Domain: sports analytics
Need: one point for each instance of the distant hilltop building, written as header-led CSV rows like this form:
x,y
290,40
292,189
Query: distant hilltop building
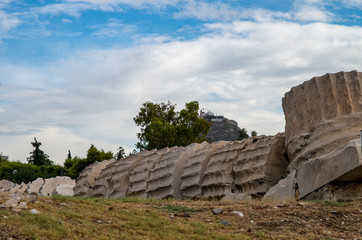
x,y
222,129
4,157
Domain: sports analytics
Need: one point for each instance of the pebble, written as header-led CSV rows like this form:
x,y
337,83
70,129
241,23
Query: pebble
x,y
186,215
225,222
217,211
172,215
34,211
240,214
22,205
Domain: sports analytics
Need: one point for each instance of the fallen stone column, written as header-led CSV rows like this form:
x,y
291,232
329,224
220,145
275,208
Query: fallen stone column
x,y
260,165
192,176
85,182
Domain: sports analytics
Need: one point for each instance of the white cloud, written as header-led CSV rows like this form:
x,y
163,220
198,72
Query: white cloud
x,y
76,7
65,20
352,3
114,28
7,22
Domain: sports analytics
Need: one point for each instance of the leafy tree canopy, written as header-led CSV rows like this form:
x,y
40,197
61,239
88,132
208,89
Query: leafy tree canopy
x,y
162,126
244,134
73,166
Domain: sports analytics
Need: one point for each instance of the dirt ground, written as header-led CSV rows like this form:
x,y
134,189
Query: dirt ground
x,y
296,220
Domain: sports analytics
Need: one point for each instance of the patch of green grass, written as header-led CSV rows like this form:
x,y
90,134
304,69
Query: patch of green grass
x,y
135,200
260,235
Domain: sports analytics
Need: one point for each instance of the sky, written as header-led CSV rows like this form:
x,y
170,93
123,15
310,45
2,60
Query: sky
x,y
76,72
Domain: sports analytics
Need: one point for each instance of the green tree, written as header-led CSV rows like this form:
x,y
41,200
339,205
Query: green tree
x,y
73,166
69,155
254,133
37,156
120,154
243,134
161,126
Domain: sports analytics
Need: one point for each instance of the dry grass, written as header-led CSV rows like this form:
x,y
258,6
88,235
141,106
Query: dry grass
x,y
96,218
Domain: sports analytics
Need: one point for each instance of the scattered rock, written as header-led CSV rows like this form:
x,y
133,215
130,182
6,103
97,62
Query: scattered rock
x,y
217,211
240,214
31,197
186,215
225,222
34,211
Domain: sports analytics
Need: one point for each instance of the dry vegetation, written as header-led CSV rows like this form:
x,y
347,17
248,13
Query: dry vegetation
x,y
96,218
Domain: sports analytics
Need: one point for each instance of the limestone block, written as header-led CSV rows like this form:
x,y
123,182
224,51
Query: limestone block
x,y
192,176
260,165
140,174
321,99
23,187
322,114
64,189
50,184
218,176
6,185
114,179
34,186
283,191
86,179
342,164
15,189
327,136
164,179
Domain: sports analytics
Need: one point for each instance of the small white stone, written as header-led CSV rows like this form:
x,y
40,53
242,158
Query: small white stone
x,y
240,214
34,211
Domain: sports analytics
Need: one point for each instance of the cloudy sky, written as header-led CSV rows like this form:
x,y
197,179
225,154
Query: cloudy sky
x,y
76,72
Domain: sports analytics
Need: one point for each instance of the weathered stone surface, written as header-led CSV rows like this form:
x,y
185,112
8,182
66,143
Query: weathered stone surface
x,y
322,114
342,164
86,179
114,179
141,173
50,184
218,176
260,165
15,189
6,185
23,188
165,179
283,191
34,186
193,173
64,189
